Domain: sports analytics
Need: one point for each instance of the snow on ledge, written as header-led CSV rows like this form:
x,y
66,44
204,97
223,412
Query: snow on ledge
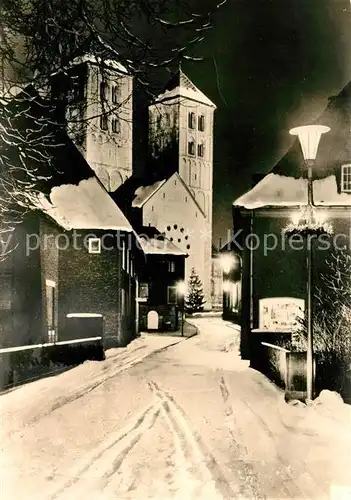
x,y
84,315
143,193
108,63
279,190
84,206
155,246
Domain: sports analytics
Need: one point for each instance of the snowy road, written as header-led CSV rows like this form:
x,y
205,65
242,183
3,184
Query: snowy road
x,y
188,422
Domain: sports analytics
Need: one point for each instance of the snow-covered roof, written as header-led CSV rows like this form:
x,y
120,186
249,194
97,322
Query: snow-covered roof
x,y
84,206
109,63
283,191
181,86
143,193
159,246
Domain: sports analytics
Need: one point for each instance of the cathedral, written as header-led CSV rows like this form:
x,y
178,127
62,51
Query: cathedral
x,y
174,194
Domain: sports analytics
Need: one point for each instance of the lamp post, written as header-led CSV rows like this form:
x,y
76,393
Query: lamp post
x,y
309,137
182,289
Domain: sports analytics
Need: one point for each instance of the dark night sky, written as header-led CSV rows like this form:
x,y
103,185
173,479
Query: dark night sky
x,y
269,65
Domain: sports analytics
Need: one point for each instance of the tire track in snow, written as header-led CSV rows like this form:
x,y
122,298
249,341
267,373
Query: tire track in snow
x,y
292,489
245,469
118,447
194,448
79,393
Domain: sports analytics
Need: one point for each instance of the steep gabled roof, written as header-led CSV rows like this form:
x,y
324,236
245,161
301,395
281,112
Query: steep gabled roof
x,y
138,190
286,184
159,246
180,86
99,61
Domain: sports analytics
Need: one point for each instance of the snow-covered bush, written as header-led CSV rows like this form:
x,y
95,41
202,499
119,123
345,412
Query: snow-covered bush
x,y
331,324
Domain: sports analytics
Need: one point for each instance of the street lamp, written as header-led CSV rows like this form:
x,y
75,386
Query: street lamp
x,y
182,290
227,262
309,137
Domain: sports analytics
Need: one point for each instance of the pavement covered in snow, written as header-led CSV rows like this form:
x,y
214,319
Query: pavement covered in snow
x,y
190,421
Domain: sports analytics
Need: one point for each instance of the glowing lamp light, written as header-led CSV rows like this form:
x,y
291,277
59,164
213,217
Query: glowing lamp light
x,y
181,288
309,137
227,263
226,286
320,216
295,218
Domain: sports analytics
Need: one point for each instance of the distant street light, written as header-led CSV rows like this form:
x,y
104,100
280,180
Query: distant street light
x,y
309,137
227,262
181,291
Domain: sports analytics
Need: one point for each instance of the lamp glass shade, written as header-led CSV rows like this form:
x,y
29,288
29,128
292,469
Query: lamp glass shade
x,y
309,137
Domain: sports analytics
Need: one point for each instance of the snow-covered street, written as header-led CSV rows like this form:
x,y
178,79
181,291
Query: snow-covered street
x,y
189,421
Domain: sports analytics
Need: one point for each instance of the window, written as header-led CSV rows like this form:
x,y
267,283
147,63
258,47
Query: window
x,y
201,150
191,148
186,198
103,122
171,266
346,178
103,90
144,290
116,126
94,245
191,120
115,94
201,123
171,295
163,195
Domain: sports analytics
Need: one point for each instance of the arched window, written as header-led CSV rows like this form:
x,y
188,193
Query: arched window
x,y
201,123
104,121
191,120
115,93
201,150
103,90
116,125
191,147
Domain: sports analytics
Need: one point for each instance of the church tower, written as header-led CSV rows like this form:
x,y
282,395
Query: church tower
x,y
99,117
181,138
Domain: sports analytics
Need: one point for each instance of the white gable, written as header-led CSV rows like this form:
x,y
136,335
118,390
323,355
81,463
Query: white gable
x,y
186,90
